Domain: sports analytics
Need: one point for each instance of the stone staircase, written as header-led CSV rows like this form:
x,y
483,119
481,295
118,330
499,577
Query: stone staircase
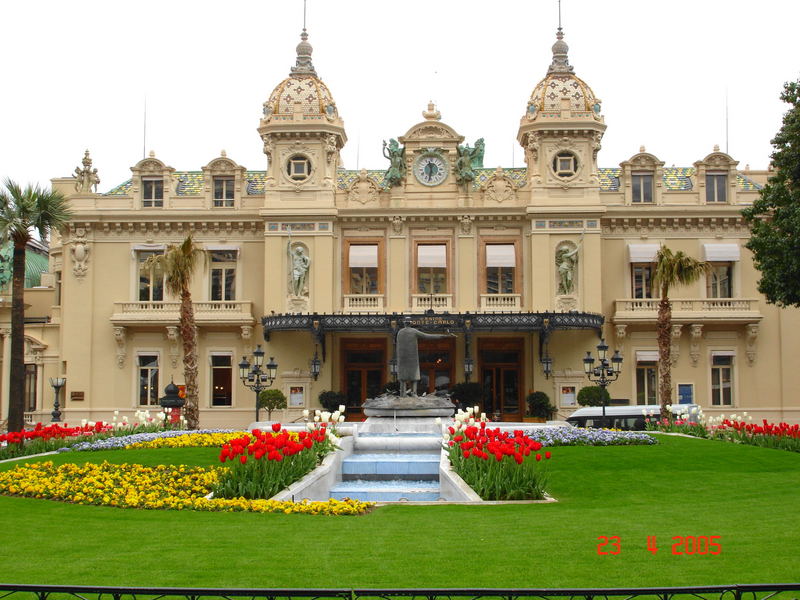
x,y
391,467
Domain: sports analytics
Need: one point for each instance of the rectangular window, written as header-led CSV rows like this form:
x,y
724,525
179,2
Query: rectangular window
x,y
148,379
221,380
719,281
646,382
363,268
59,290
642,280
30,388
501,262
223,192
721,380
153,193
223,275
642,184
151,278
432,269
716,187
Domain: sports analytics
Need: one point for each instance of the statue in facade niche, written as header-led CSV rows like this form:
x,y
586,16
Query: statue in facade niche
x,y
397,162
408,356
86,178
566,263
299,264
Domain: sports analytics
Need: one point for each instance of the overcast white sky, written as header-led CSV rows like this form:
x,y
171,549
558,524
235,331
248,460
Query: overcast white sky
x,y
76,75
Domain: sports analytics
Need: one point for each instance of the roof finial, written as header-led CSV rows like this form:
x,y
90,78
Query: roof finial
x,y
303,64
560,62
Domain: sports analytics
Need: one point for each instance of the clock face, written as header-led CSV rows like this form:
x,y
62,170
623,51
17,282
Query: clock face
x,y
430,169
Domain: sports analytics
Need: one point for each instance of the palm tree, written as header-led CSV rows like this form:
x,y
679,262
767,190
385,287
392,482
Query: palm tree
x,y
22,211
671,269
178,263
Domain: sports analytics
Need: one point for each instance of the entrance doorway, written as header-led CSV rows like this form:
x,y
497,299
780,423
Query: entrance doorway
x,y
501,376
436,358
364,372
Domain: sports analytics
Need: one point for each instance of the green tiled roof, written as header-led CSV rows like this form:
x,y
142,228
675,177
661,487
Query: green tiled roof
x,y
190,183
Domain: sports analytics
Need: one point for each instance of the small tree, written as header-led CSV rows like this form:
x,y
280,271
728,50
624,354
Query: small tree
x,y
593,395
774,218
178,263
672,268
271,400
22,211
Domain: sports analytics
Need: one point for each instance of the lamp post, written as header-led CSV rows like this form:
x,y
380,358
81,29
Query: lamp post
x,y
547,365
605,372
254,377
314,365
469,367
57,383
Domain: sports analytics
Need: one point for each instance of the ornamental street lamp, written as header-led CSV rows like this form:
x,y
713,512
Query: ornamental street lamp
x,y
57,383
605,372
547,365
314,365
254,377
469,367
393,368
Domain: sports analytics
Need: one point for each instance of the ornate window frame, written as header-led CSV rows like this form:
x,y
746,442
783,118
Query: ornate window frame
x,y
223,167
716,164
642,163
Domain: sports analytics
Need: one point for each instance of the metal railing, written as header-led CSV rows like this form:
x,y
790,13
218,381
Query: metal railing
x,y
712,592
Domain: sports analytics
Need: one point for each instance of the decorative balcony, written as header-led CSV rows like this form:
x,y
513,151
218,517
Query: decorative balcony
x,y
501,302
167,313
354,303
690,310
437,302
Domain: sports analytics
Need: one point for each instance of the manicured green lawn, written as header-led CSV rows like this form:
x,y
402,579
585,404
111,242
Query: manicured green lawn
x,y
745,494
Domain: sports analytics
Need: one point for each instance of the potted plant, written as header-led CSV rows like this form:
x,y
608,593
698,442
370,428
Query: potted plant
x,y
271,400
331,401
538,408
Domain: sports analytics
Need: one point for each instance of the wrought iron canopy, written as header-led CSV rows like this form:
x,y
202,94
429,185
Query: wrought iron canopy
x,y
319,324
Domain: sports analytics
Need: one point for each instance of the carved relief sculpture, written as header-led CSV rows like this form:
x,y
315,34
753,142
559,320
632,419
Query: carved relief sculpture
x,y
364,189
674,352
397,224
466,223
499,188
119,337
174,350
696,333
752,336
79,251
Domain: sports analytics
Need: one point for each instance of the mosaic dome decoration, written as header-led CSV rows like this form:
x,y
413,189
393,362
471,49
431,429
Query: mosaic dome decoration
x,y
561,83
302,86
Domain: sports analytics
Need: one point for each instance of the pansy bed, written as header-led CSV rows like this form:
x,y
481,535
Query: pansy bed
x,y
177,487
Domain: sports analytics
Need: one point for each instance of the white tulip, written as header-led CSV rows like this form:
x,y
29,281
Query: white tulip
x,y
483,416
316,418
83,422
310,426
476,409
341,418
341,408
469,410
116,413
325,416
318,412
305,413
438,420
335,415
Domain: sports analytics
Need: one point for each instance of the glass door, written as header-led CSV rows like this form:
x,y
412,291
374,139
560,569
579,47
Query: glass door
x,y
501,376
364,372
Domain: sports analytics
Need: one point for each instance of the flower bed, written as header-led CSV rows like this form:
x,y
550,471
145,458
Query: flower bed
x,y
262,464
780,436
579,436
131,440
137,486
58,437
497,465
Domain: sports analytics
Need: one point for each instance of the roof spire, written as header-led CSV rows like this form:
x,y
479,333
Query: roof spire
x,y
303,64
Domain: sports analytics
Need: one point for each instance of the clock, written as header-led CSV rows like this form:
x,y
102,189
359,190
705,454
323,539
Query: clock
x,y
430,169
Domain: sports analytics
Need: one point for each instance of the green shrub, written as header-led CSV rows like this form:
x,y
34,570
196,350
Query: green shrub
x,y
538,405
594,395
331,401
271,400
467,394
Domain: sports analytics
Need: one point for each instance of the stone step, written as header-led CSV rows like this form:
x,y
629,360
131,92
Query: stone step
x,y
403,442
386,491
391,465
